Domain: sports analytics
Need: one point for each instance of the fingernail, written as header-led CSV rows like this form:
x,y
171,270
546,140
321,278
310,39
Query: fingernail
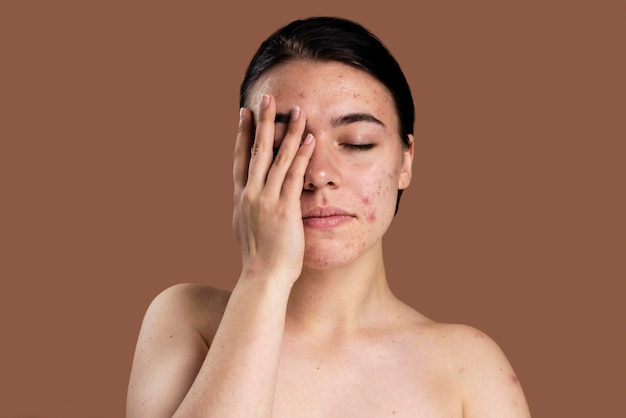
x,y
242,113
308,139
295,113
265,101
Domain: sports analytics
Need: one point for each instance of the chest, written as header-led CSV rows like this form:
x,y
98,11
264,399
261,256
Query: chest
x,y
368,382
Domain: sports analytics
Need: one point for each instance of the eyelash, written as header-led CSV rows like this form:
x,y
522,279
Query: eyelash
x,y
354,147
358,147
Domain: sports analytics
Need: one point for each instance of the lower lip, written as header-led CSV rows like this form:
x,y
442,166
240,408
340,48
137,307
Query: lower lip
x,y
326,222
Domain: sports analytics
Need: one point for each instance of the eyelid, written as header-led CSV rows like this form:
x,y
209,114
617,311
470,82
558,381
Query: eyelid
x,y
359,147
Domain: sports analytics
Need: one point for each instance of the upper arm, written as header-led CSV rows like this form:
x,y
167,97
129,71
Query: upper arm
x,y
170,351
491,388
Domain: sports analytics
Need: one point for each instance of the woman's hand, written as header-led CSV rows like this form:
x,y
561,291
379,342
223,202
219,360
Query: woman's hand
x,y
267,216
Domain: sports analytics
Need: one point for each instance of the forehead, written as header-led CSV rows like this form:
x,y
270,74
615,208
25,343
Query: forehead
x,y
322,87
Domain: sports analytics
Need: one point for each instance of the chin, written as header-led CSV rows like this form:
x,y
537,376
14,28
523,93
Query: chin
x,y
329,256
324,263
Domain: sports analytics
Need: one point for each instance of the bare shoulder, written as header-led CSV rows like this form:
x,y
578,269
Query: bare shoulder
x,y
198,306
488,384
463,341
185,311
192,295
175,336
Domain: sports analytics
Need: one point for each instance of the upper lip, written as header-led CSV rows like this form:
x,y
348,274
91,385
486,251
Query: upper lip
x,y
324,211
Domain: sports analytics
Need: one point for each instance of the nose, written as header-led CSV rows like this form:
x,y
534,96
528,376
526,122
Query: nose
x,y
322,170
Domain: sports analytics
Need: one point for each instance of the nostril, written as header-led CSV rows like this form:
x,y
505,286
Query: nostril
x,y
320,174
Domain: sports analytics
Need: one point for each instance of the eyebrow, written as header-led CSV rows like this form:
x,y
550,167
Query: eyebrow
x,y
339,121
354,118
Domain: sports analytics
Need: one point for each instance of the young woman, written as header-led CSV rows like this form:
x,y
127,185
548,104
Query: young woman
x,y
311,329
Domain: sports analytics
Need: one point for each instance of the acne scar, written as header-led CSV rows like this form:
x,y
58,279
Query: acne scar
x,y
479,334
371,217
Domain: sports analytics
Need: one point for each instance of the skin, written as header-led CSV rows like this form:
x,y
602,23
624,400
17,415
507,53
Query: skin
x,y
311,328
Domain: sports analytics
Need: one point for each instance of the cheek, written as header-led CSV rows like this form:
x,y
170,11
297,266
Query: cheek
x,y
377,195
368,194
370,212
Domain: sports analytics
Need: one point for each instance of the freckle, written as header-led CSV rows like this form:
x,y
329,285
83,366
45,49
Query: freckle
x,y
170,336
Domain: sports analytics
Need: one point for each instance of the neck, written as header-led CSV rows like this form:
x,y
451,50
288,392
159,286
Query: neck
x,y
341,299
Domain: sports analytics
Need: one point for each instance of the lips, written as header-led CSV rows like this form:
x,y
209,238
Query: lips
x,y
324,212
325,217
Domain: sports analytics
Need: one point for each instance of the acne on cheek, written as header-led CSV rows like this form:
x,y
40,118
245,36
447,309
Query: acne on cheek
x,y
371,216
381,193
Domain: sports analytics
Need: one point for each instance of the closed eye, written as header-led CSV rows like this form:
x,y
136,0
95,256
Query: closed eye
x,y
358,147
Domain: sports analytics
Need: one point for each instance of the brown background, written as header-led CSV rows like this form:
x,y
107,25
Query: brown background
x,y
117,124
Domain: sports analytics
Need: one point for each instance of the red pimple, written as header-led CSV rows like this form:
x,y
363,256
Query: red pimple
x,y
479,334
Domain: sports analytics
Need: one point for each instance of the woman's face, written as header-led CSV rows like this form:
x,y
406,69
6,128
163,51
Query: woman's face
x,y
359,161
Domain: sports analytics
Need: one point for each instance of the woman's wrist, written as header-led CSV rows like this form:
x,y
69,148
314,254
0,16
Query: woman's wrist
x,y
265,280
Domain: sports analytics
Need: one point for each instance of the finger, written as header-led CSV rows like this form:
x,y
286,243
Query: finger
x,y
262,152
294,179
241,153
287,151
